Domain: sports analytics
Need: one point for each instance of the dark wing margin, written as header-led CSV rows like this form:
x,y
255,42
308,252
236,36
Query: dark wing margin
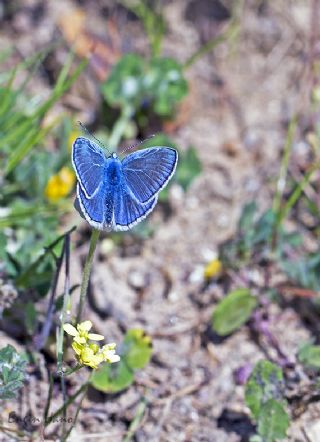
x,y
148,171
88,161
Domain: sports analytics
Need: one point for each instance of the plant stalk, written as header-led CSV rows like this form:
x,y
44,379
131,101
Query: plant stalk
x,y
87,270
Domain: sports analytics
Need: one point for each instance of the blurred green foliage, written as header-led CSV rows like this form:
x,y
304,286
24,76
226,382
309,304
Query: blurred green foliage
x,y
304,270
138,83
152,19
256,239
28,220
309,355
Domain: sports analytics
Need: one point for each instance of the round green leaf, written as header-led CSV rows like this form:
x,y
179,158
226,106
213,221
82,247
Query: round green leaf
x,y
112,378
137,349
233,311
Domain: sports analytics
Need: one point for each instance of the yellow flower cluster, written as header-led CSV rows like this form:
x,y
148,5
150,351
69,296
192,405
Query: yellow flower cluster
x,y
89,353
60,185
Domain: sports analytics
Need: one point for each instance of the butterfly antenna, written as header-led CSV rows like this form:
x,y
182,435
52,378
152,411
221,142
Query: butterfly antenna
x,y
83,127
137,144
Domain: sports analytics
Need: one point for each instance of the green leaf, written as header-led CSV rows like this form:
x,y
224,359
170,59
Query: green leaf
x,y
273,421
233,311
309,355
137,349
189,167
265,382
12,371
112,378
135,353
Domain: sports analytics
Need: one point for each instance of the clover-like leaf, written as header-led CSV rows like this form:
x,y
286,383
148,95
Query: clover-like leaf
x,y
12,371
273,421
158,83
265,383
233,311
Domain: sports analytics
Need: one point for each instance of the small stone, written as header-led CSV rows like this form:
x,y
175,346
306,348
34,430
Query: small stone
x,y
137,280
312,431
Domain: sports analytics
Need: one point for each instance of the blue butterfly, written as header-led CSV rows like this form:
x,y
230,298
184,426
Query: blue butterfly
x,y
116,194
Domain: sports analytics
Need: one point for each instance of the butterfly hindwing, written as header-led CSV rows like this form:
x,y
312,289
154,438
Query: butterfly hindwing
x,y
92,208
88,161
128,211
147,171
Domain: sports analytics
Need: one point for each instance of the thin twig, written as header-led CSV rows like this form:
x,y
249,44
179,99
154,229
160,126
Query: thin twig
x,y
41,338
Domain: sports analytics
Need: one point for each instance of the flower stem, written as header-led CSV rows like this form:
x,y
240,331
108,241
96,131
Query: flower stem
x,y
86,272
70,401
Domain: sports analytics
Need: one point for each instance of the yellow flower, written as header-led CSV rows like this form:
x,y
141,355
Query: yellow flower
x,y
60,185
109,353
213,268
81,334
90,354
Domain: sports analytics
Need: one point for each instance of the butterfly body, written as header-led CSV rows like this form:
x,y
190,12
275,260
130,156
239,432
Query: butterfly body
x,y
116,194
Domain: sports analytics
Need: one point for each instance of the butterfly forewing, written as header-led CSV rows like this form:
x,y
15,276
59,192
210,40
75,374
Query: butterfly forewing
x,y
116,195
88,160
148,171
